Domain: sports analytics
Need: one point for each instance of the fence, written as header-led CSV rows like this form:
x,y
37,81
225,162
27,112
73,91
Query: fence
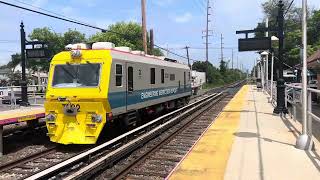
x,y
11,95
293,97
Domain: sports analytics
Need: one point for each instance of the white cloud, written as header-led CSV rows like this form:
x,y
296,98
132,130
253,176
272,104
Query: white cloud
x,y
67,10
186,17
163,2
39,3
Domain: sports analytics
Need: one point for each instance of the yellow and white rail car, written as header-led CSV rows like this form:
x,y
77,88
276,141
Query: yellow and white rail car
x,y
88,87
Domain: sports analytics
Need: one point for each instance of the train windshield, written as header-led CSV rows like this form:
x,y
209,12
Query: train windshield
x,y
79,75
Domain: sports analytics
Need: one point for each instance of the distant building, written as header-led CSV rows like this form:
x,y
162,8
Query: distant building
x,y
198,79
314,66
37,78
4,74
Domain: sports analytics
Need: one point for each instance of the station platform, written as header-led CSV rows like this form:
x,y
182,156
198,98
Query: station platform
x,y
21,114
247,141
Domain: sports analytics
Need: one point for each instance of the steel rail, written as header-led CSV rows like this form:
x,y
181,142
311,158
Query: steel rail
x,y
121,174
132,145
90,153
13,164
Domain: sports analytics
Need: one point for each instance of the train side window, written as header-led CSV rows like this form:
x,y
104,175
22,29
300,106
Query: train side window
x,y
118,75
172,77
189,74
152,75
130,78
162,76
184,80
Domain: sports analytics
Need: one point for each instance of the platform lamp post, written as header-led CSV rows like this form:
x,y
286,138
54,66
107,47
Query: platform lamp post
x,y
264,57
23,83
304,142
280,108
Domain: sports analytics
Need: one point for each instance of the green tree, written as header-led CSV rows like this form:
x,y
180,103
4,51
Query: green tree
x,y
73,36
223,67
124,34
213,76
15,60
56,43
54,40
292,29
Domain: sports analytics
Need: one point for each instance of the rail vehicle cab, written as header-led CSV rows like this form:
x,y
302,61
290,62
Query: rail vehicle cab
x,y
88,87
76,104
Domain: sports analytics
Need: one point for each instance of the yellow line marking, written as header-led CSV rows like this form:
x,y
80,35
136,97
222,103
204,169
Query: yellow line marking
x,y
208,158
21,113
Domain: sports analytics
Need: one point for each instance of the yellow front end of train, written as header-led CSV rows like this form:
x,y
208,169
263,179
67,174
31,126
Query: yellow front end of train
x,y
76,100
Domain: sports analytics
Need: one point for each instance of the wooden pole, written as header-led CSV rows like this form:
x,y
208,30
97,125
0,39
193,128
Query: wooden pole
x,y
144,26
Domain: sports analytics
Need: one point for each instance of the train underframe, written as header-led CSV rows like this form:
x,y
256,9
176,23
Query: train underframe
x,y
133,118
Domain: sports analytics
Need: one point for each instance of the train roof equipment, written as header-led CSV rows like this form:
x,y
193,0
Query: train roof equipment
x,y
111,46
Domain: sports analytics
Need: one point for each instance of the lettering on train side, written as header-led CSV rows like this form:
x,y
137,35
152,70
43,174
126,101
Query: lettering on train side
x,y
157,93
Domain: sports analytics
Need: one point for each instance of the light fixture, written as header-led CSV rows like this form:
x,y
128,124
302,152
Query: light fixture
x,y
274,38
50,117
264,53
96,118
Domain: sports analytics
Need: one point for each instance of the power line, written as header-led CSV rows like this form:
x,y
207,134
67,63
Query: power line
x,y
8,41
82,24
288,8
200,5
203,48
48,11
52,16
4,50
172,52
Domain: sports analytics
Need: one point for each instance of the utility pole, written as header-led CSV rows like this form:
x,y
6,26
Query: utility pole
x,y
237,62
23,83
232,59
281,108
305,142
267,58
207,39
187,48
221,48
151,41
144,26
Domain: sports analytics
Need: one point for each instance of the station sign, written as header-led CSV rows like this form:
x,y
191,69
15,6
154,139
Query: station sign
x,y
36,53
254,44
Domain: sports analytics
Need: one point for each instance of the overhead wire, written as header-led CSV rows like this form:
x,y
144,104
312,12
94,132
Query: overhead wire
x,y
57,16
289,7
200,5
9,41
47,11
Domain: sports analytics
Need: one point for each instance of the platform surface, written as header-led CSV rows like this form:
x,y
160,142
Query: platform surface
x,y
21,114
248,142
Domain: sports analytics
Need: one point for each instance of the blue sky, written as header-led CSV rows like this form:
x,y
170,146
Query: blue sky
x,y
176,23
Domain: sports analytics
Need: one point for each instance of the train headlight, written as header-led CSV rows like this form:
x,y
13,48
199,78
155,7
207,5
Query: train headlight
x,y
51,117
76,53
96,118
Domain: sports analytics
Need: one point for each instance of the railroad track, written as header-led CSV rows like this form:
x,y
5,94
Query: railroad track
x,y
69,162
93,161
27,166
159,158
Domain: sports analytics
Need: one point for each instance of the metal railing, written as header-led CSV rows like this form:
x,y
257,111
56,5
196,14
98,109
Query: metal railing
x,y
293,97
10,95
272,92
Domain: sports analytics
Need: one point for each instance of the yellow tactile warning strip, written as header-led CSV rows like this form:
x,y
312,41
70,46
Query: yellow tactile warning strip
x,y
21,114
209,156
